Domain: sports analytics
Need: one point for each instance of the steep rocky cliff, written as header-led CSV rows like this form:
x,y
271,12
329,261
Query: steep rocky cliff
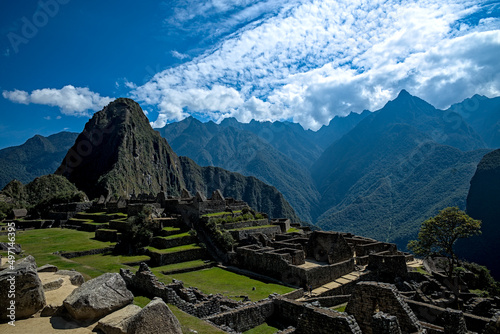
x,y
119,153
483,202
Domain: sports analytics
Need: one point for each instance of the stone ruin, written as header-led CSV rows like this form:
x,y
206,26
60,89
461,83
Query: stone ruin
x,y
316,258
372,277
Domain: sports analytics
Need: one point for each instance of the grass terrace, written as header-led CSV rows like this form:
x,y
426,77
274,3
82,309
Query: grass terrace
x,y
180,265
262,329
43,243
216,214
251,228
173,249
217,280
174,236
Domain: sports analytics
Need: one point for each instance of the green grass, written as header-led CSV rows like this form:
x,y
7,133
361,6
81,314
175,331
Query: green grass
x,y
262,329
42,243
176,266
141,301
174,236
217,280
251,228
173,249
107,263
340,308
80,220
480,293
293,229
216,214
422,271
93,213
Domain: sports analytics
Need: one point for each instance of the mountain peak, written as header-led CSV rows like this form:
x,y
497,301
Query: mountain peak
x,y
404,94
119,153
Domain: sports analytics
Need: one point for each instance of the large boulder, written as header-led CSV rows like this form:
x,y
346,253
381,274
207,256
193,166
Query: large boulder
x,y
154,318
118,322
98,297
24,286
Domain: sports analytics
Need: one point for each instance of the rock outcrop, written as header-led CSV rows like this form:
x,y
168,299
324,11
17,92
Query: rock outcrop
x,y
98,297
118,322
154,318
483,203
25,285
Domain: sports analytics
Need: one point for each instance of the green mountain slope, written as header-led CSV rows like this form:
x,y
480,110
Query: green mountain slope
x,y
288,138
253,191
209,144
391,172
36,157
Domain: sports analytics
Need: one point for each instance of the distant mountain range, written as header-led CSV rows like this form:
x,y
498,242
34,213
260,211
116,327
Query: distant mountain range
x,y
378,174
36,157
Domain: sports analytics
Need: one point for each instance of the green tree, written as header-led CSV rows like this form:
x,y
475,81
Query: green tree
x,y
139,233
438,235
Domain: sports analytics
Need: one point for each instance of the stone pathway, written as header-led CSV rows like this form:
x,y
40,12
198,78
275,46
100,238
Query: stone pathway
x,y
415,263
348,278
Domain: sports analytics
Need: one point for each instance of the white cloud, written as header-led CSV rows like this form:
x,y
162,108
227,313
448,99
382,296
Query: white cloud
x,y
75,101
312,60
178,55
16,96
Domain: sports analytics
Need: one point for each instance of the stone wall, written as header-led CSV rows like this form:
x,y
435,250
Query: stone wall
x,y
161,259
388,266
162,243
434,314
243,224
107,235
329,247
310,319
283,264
270,231
190,300
325,321
371,297
246,317
70,255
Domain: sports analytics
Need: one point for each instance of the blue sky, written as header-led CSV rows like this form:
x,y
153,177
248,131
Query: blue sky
x,y
305,61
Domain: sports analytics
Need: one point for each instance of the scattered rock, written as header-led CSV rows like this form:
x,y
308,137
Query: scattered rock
x,y
53,285
6,247
98,297
52,310
47,268
74,276
118,322
154,318
23,280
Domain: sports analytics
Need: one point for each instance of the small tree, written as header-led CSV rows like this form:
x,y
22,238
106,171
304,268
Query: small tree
x,y
438,235
139,233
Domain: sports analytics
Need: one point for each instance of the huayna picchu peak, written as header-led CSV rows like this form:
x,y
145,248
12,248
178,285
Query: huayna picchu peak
x,y
119,154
